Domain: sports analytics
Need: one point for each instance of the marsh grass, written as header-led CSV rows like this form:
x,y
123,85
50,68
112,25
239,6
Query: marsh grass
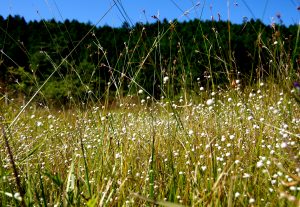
x,y
243,148
236,145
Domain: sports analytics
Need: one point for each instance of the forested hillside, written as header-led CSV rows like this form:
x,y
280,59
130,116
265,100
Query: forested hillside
x,y
92,60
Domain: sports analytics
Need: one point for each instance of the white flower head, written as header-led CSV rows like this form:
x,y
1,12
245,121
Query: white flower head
x,y
259,164
166,78
246,175
118,155
210,102
39,123
283,145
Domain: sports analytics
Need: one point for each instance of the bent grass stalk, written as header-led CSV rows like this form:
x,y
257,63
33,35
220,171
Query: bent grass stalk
x,y
14,166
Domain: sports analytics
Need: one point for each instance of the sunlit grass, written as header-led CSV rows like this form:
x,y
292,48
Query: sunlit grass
x,y
239,149
194,144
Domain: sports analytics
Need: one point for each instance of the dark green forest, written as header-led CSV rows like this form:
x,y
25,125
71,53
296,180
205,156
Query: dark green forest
x,y
87,61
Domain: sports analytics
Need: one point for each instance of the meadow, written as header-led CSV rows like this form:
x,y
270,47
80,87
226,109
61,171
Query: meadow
x,y
233,144
235,149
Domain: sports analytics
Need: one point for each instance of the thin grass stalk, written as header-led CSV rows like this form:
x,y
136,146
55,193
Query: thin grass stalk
x,y
296,44
152,164
42,187
85,168
13,164
230,59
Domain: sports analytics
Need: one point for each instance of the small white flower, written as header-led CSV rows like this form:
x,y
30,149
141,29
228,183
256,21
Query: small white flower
x,y
140,91
166,78
251,95
209,102
275,43
237,194
38,124
201,88
191,132
223,138
18,196
255,126
118,155
246,175
259,164
283,145
250,118
203,168
251,200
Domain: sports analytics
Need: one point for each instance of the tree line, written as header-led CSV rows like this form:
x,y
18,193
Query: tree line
x,y
89,61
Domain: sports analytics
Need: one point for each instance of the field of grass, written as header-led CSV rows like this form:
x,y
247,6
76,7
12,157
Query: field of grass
x,y
232,148
225,146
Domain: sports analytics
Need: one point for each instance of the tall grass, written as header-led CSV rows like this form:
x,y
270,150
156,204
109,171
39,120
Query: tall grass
x,y
234,146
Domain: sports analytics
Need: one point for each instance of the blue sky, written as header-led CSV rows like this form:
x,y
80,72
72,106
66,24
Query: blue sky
x,y
114,12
